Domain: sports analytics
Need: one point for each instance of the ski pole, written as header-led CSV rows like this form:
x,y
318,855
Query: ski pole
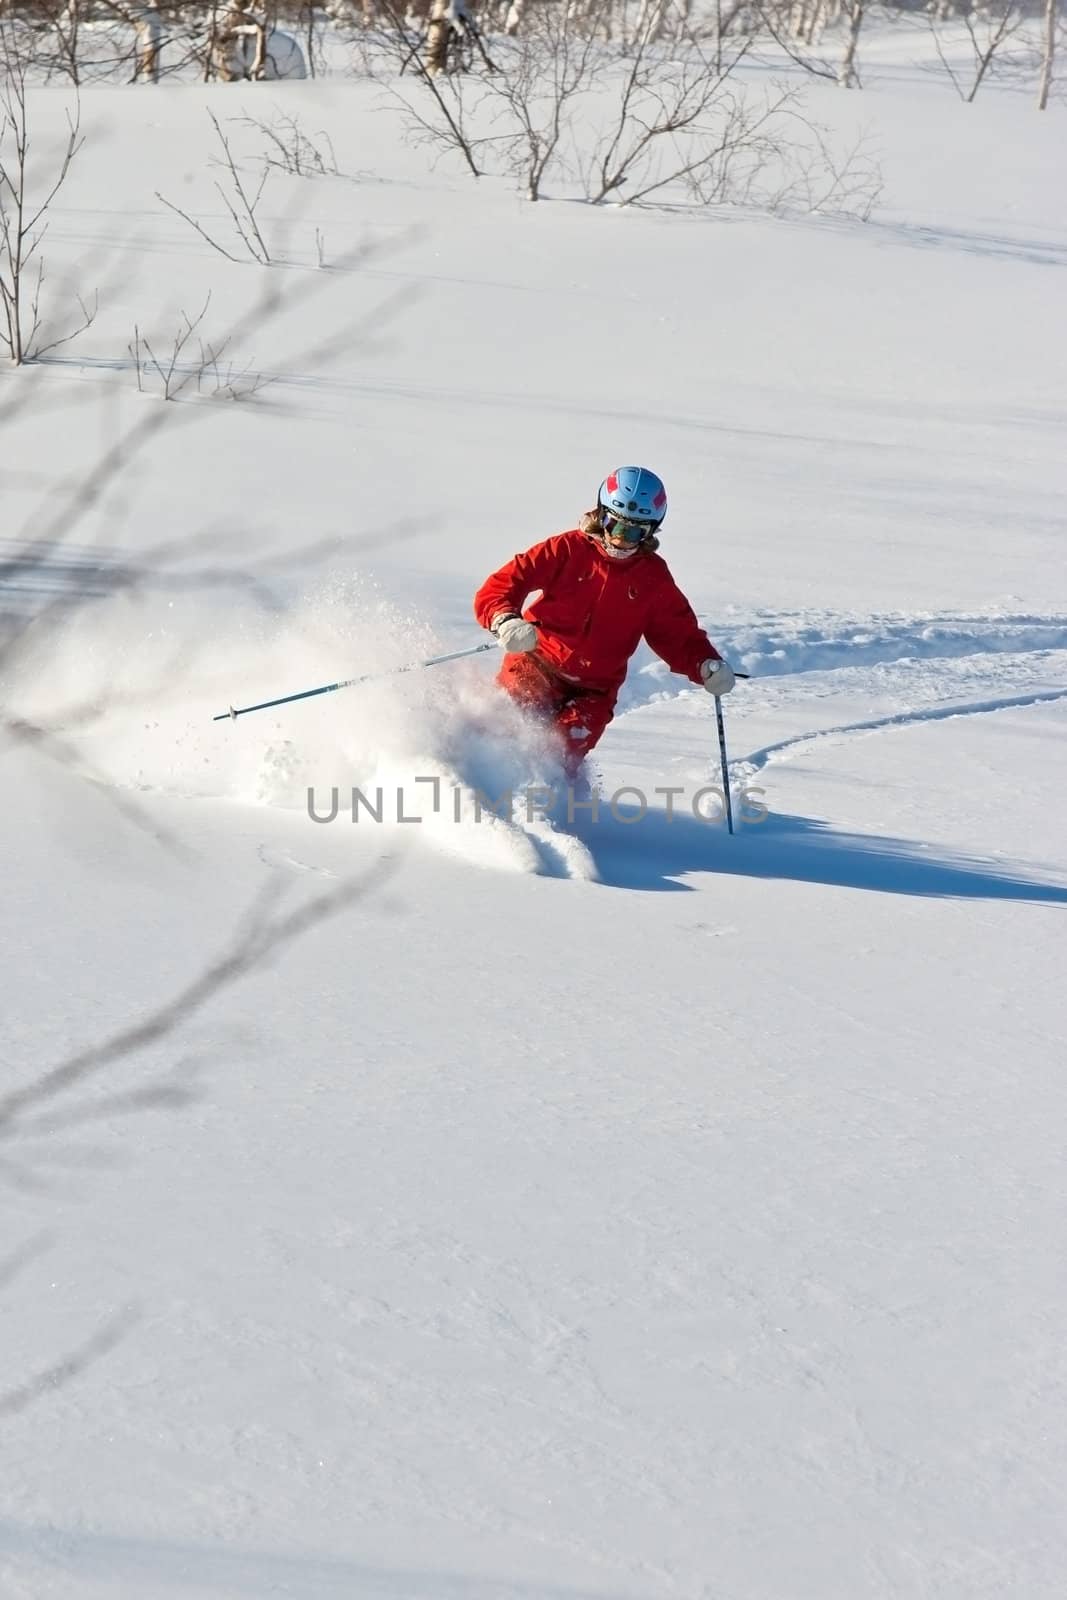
x,y
722,757
347,683
725,769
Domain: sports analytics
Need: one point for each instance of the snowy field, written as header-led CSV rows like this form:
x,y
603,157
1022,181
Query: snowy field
x,y
622,1211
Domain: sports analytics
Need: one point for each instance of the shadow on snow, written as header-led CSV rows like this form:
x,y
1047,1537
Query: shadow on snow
x,y
165,1566
654,851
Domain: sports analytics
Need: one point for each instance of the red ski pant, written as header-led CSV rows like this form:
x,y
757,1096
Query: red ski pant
x,y
578,715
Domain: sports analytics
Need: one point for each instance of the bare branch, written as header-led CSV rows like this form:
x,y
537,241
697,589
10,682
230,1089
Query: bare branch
x,y
213,242
72,1366
259,939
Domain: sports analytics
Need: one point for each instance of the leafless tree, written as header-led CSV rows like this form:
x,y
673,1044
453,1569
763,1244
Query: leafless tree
x,y
87,39
1048,52
244,44
848,75
148,31
543,70
987,30
795,29
438,37
309,24
66,24
651,117
23,220
662,125
438,117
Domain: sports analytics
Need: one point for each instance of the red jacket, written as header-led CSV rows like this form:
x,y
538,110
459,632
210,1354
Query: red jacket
x,y
592,611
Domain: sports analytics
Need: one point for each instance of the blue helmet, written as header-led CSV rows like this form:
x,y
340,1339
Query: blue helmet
x,y
634,494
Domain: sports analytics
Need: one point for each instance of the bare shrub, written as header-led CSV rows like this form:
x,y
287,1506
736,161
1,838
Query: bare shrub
x,y
291,150
23,222
650,117
750,148
661,100
544,69
240,200
193,364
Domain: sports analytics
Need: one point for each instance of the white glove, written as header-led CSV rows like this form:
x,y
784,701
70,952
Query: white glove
x,y
514,634
718,677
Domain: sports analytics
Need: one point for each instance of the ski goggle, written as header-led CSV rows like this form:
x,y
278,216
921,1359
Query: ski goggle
x,y
629,530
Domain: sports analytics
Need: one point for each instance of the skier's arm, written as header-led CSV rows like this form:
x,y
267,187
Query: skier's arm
x,y
504,591
677,637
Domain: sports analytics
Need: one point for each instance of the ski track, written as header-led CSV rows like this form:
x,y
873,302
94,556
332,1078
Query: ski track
x,y
755,762
949,661
775,645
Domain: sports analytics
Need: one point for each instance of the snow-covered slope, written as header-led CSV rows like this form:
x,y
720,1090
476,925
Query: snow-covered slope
x,y
619,1210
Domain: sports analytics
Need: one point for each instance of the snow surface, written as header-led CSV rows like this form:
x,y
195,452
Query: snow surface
x,y
624,1210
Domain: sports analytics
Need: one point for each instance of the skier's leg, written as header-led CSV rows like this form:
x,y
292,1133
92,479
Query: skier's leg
x,y
579,719
581,723
529,685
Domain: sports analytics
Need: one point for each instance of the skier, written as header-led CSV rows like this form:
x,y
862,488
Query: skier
x,y
601,588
